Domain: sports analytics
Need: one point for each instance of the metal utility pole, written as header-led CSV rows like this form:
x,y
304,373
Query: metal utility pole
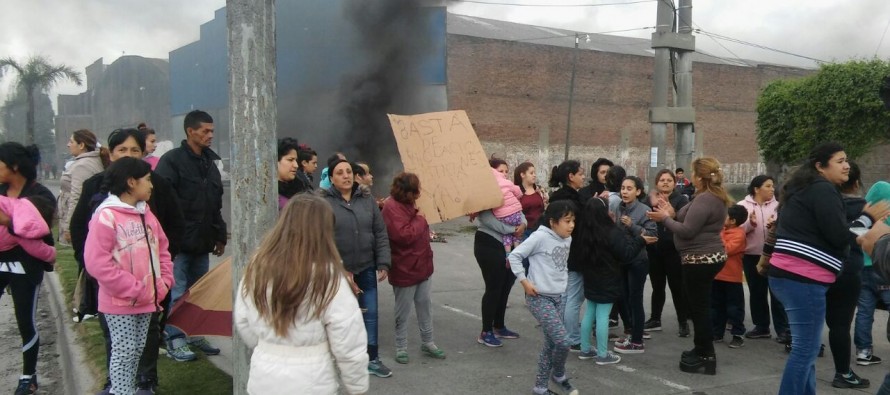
x,y
252,100
571,93
664,41
685,131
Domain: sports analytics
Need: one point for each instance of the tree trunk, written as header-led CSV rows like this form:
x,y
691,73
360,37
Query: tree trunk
x,y
29,119
252,99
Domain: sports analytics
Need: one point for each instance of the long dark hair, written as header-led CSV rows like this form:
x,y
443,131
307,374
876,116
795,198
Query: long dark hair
x,y
517,174
594,171
595,227
614,178
558,210
119,172
20,159
806,174
559,177
639,184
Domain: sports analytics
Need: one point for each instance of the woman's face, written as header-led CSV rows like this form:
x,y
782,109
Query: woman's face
x,y
665,184
576,180
629,191
151,143
310,165
287,166
766,191
503,169
564,226
74,148
601,173
529,177
837,170
342,177
129,148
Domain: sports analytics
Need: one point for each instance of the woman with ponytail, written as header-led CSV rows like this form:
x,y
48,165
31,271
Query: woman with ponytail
x,y
88,161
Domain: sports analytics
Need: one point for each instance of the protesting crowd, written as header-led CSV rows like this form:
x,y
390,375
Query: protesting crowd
x,y
142,229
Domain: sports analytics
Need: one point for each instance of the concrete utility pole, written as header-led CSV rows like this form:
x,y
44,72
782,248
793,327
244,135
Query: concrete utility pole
x,y
685,131
571,94
252,99
665,40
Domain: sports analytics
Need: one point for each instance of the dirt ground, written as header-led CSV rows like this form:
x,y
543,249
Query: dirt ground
x,y
49,372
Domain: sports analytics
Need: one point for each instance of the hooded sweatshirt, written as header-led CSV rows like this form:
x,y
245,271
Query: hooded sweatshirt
x,y
878,192
756,233
26,230
511,193
134,276
548,255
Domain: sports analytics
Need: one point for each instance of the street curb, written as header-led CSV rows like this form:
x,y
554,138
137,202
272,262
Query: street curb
x,y
76,377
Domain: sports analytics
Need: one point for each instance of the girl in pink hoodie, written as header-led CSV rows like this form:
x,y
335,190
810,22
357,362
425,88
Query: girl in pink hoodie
x,y
510,212
127,252
29,227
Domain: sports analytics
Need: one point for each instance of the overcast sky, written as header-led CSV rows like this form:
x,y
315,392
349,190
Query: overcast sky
x,y
79,32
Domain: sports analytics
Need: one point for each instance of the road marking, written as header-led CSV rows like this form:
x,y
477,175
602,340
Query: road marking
x,y
461,312
666,382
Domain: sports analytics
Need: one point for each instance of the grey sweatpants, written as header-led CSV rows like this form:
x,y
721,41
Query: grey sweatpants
x,y
419,295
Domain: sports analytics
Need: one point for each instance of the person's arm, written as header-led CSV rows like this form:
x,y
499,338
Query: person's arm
x,y
38,249
169,214
830,215
382,253
99,259
167,169
164,256
348,339
245,316
79,174
487,219
734,242
522,252
625,247
403,226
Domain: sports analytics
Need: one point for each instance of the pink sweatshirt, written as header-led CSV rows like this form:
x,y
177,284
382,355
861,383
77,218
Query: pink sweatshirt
x,y
755,233
117,255
28,228
511,192
152,160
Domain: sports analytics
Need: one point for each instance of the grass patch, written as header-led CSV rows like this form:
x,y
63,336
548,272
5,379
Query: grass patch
x,y
197,377
468,229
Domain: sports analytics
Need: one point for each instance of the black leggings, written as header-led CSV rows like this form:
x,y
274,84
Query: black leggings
x,y
665,269
25,289
499,279
697,281
840,305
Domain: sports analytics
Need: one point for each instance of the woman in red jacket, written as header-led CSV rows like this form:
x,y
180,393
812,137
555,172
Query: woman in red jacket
x,y
412,264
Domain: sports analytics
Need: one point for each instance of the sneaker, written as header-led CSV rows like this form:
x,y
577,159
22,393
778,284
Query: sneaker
x,y
630,348
378,369
489,339
652,325
543,391
613,323
432,351
585,355
27,386
621,340
784,338
575,347
684,330
758,333
737,342
504,333
865,358
204,345
402,356
718,339
565,386
179,351
849,380
647,335
609,359
614,337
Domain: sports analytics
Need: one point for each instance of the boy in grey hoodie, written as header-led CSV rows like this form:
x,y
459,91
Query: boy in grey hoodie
x,y
547,250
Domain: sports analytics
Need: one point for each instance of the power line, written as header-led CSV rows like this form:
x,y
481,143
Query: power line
x,y
882,38
750,44
580,33
551,5
739,58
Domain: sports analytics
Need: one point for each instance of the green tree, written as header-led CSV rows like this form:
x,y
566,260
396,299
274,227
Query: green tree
x,y
37,75
13,115
839,103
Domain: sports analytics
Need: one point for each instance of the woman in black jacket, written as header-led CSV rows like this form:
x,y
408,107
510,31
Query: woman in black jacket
x,y
664,260
604,248
569,177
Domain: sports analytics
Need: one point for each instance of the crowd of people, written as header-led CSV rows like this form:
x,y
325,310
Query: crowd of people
x,y
142,228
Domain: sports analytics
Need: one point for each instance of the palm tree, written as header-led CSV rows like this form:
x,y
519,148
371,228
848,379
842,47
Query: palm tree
x,y
37,73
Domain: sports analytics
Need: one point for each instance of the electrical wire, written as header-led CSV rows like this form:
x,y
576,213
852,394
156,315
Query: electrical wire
x,y
882,38
737,57
550,5
750,44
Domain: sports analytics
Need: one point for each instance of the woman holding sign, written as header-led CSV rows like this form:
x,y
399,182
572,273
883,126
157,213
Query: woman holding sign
x,y
488,248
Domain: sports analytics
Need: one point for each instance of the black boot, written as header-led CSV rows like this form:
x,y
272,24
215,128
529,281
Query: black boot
x,y
707,364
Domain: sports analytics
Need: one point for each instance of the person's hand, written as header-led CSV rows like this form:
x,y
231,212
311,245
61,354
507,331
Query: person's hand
x,y
664,205
529,288
604,195
771,221
4,219
660,213
752,219
878,211
66,236
420,214
220,248
763,265
626,220
520,230
352,285
381,275
868,240
649,239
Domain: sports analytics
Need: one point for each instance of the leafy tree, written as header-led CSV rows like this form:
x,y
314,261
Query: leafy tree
x,y
14,115
839,103
35,76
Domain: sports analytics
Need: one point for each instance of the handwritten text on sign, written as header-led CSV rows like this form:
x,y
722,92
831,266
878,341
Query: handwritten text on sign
x,y
444,152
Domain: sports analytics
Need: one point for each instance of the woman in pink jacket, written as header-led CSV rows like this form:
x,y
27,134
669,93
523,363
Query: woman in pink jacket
x,y
761,205
127,253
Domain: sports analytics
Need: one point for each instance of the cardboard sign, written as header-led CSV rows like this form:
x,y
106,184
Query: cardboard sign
x,y
444,152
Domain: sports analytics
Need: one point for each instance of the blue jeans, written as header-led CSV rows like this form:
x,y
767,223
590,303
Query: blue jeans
x,y
573,297
367,301
187,269
868,299
805,306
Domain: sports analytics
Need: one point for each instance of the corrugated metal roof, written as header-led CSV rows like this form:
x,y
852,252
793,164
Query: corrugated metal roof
x,y
510,31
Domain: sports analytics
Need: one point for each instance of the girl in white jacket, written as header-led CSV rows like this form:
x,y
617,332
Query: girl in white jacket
x,y
297,310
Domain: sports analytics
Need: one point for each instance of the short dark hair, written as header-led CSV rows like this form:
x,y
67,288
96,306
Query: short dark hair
x,y
557,210
614,178
357,169
118,136
737,213
595,167
286,145
333,158
123,169
758,182
304,155
333,165
496,162
21,159
679,170
194,119
405,188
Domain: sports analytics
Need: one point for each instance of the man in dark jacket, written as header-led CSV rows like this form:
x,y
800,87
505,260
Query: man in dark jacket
x,y
876,243
196,180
